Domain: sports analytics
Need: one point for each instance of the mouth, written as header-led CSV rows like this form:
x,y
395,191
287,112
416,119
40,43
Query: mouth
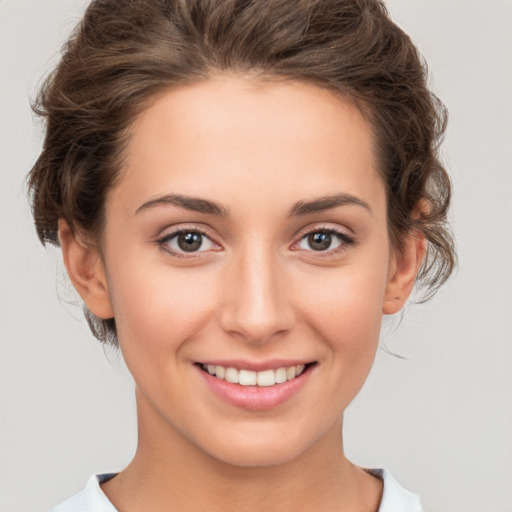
x,y
265,378
256,387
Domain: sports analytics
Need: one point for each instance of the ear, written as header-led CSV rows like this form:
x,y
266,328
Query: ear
x,y
86,270
402,273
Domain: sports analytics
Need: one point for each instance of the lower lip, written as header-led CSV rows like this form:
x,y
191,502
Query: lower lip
x,y
256,398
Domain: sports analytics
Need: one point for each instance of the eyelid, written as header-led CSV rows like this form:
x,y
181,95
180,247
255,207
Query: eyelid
x,y
346,239
162,241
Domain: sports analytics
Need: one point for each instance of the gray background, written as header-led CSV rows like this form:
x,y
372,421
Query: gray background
x,y
440,421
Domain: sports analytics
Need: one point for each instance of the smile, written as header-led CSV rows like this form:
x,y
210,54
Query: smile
x,y
256,386
264,378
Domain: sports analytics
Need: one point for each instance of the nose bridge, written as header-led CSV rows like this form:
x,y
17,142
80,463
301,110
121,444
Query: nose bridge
x,y
257,304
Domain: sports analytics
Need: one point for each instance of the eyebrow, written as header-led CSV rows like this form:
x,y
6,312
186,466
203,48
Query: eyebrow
x,y
300,208
322,204
194,204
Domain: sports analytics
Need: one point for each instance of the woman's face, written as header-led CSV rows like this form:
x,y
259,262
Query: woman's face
x,y
247,236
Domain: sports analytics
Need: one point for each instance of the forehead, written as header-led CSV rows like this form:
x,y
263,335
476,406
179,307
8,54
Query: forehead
x,y
234,135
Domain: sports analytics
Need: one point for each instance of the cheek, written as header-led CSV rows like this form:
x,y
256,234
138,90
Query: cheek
x,y
345,311
159,308
345,301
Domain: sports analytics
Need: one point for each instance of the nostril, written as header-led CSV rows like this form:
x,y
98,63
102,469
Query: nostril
x,y
257,307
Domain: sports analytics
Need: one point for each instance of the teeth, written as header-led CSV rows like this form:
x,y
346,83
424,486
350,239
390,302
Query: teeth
x,y
281,375
231,375
266,378
291,372
249,378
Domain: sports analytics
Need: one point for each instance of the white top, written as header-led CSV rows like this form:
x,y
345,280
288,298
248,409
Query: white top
x,y
92,499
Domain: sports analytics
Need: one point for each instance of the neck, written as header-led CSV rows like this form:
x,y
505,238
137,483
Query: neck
x,y
169,473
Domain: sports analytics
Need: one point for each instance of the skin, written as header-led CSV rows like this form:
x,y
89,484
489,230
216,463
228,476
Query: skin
x,y
256,290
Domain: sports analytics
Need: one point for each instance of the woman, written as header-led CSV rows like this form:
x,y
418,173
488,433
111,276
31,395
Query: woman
x,y
241,190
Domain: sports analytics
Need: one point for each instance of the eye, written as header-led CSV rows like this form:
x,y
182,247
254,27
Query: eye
x,y
324,240
187,241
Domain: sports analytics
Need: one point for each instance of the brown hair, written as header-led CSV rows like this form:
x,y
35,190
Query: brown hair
x,y
124,52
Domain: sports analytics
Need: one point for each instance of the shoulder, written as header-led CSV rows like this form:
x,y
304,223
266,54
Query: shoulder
x,y
394,497
90,499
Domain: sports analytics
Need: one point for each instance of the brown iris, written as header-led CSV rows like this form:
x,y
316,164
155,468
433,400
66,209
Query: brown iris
x,y
190,241
320,241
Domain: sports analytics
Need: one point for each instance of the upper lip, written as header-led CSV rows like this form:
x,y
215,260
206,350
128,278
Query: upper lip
x,y
256,366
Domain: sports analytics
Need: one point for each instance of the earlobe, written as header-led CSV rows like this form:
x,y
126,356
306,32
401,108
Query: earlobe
x,y
86,271
403,271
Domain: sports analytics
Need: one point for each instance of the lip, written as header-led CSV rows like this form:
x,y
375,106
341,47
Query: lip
x,y
256,366
255,398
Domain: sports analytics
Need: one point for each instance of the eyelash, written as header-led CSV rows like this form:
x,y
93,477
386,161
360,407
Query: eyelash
x,y
345,241
163,242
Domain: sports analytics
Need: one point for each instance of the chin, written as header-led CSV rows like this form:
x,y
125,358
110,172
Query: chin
x,y
263,449
256,457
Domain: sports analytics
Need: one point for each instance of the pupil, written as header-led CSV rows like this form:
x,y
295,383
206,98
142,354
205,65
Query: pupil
x,y
319,241
190,242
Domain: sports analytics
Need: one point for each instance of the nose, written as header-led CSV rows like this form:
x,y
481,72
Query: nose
x,y
257,305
